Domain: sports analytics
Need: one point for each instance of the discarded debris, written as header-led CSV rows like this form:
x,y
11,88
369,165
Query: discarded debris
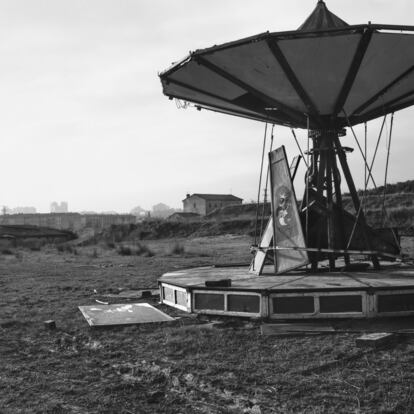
x,y
50,324
101,302
218,283
295,328
199,327
134,294
375,340
123,314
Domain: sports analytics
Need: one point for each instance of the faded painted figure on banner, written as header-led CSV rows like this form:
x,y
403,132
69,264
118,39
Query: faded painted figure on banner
x,y
286,224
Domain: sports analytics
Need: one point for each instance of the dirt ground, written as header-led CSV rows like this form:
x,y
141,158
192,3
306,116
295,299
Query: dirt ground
x,y
174,367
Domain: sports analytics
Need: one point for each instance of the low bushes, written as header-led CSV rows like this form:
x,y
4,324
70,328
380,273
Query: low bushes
x,y
137,249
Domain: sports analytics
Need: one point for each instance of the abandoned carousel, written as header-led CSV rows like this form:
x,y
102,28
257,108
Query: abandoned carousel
x,y
313,260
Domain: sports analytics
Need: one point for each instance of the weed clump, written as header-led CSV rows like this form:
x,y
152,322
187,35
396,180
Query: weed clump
x,y
124,250
66,248
36,248
110,245
7,252
138,249
177,249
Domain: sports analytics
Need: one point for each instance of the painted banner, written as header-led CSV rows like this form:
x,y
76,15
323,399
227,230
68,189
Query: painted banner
x,y
287,228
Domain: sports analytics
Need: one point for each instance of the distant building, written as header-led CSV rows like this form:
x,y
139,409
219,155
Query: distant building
x,y
100,221
60,221
59,208
204,204
161,210
23,210
68,221
139,212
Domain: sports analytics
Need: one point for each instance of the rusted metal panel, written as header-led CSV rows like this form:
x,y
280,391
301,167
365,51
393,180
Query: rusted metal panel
x,y
123,314
287,228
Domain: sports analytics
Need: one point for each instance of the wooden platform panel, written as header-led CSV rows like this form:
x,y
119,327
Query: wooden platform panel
x,y
391,277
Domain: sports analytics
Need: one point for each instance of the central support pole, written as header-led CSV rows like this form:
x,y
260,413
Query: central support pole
x,y
329,155
324,179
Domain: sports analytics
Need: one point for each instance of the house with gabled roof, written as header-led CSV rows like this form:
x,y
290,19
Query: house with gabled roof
x,y
204,204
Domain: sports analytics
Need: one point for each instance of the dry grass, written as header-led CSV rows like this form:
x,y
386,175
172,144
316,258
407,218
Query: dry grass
x,y
166,368
176,248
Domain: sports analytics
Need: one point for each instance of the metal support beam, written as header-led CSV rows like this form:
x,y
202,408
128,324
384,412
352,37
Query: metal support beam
x,y
384,90
353,70
290,74
338,203
354,196
296,116
328,154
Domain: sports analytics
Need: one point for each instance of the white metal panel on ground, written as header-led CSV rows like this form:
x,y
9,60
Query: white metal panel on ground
x,y
123,314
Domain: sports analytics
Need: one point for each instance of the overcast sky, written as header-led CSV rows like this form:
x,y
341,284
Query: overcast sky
x,y
83,117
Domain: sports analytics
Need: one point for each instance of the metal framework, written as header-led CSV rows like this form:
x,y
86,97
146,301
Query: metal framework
x,y
261,106
323,77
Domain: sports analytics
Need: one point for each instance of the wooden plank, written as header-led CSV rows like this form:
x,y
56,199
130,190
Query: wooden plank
x,y
294,165
278,328
259,259
287,228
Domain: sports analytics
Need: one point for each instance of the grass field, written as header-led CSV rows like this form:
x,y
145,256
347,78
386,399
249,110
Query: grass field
x,y
174,367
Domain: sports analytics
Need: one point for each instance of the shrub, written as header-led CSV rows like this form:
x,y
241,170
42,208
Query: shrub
x,y
144,250
138,249
177,249
66,248
110,245
7,251
124,250
35,248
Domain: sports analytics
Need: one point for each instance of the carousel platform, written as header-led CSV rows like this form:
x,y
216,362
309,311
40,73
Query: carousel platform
x,y
234,291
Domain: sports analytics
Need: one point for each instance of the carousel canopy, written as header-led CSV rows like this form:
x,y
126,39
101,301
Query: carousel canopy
x,y
327,72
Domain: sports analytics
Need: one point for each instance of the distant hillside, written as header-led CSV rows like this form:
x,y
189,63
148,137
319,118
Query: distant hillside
x,y
399,203
21,231
241,219
401,187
